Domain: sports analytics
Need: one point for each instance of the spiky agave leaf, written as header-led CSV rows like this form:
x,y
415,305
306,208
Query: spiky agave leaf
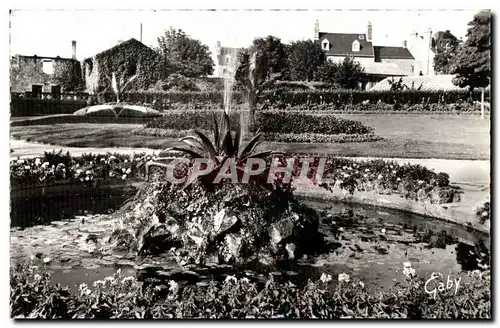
x,y
184,150
237,139
250,146
228,145
216,133
207,144
192,142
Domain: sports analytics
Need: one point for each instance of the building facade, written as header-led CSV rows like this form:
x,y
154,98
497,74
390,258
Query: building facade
x,y
37,74
378,61
226,61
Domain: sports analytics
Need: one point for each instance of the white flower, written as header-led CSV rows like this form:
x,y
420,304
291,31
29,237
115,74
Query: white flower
x,y
367,170
124,177
129,278
112,157
128,171
346,175
27,167
20,161
365,175
407,264
325,278
87,172
409,272
380,176
362,284
398,179
245,280
38,161
111,174
344,277
125,161
230,278
110,278
86,178
174,286
341,229
349,168
420,181
87,292
383,231
46,260
78,171
123,169
344,167
82,287
45,164
37,277
99,283
394,172
102,159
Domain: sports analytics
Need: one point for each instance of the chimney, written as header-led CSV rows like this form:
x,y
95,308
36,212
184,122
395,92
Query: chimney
x,y
73,48
316,30
405,44
369,32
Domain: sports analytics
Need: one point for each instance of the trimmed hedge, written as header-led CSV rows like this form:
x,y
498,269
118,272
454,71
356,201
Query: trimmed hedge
x,y
296,122
277,137
34,106
267,122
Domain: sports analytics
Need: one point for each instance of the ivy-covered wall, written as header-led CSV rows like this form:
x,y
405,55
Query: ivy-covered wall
x,y
130,57
26,71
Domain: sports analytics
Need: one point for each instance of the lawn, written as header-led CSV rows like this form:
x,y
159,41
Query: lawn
x,y
405,136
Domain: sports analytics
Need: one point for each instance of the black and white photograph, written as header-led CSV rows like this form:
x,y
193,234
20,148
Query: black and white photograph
x,y
216,164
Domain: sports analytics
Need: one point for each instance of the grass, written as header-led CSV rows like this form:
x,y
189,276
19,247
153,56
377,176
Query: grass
x,y
405,136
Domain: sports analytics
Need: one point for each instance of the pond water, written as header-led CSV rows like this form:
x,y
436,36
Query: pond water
x,y
368,243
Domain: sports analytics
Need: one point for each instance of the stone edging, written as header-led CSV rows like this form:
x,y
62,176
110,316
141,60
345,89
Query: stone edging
x,y
446,212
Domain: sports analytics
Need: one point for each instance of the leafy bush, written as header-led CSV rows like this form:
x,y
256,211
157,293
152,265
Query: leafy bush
x,y
295,122
267,121
484,212
33,296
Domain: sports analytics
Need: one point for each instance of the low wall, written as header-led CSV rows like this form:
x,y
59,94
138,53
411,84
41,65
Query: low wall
x,y
451,212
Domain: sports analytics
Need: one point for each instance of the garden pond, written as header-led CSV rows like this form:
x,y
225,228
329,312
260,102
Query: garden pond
x,y
67,237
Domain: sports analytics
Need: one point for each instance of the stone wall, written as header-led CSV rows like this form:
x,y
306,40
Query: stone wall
x,y
26,71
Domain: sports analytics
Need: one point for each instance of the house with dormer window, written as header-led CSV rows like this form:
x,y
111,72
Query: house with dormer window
x,y
378,61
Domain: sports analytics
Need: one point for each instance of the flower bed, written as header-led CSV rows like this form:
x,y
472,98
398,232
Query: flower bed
x,y
278,137
413,182
33,296
266,121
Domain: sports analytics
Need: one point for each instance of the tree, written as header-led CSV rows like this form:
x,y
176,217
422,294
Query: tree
x,y
347,73
184,54
472,65
304,59
446,53
260,67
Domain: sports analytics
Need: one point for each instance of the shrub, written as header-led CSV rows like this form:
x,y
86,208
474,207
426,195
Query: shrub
x,y
267,121
295,122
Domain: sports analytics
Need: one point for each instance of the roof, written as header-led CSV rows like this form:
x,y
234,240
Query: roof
x,y
386,69
341,44
44,57
382,52
121,44
428,83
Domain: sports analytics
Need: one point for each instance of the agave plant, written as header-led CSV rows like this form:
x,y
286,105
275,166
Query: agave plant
x,y
120,86
225,145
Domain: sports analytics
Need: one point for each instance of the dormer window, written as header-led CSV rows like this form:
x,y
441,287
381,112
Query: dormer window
x,y
361,37
355,46
325,45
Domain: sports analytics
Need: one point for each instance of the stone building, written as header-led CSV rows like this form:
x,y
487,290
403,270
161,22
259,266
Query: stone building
x,y
37,74
379,61
126,59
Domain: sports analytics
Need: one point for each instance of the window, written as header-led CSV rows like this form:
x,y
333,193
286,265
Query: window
x,y
48,67
227,59
325,45
355,45
56,91
361,37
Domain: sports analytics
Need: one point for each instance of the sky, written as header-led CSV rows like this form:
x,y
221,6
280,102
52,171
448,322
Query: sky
x,y
50,32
